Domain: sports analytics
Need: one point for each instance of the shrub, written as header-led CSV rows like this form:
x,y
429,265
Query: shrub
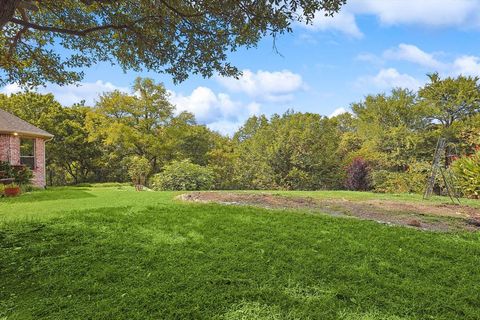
x,y
6,168
467,174
29,188
22,175
138,169
390,182
358,175
2,189
183,175
411,181
417,175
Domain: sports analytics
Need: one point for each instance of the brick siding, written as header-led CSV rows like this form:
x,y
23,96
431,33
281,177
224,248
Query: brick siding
x,y
10,152
39,172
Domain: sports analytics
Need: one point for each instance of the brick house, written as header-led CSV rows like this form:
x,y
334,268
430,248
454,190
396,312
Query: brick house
x,y
23,144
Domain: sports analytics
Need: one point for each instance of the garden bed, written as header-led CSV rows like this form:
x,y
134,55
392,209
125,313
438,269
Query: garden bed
x,y
428,216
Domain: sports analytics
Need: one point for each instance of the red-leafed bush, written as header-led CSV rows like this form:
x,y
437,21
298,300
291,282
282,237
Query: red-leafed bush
x,y
358,175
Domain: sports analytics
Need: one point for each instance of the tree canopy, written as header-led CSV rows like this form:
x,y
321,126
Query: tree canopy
x,y
386,143
51,40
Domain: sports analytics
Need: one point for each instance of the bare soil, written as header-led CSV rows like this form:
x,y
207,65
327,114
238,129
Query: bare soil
x,y
438,217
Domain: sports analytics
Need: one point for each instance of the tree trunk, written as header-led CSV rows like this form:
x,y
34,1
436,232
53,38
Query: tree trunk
x,y
7,10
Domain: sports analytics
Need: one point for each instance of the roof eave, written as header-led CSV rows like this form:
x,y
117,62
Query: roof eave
x,y
45,135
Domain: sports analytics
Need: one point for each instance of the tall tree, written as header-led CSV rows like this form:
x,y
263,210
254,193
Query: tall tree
x,y
175,37
133,124
388,126
450,99
292,151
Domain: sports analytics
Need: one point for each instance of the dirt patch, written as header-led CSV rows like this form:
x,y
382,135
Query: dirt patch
x,y
441,217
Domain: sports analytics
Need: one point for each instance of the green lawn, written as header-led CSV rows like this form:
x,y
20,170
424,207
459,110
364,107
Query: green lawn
x,y
113,253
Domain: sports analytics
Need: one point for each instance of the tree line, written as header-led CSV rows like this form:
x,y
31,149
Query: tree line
x,y
385,143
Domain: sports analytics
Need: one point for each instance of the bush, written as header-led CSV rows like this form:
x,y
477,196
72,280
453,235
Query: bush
x,y
2,189
390,182
467,174
138,169
183,175
22,175
411,181
358,175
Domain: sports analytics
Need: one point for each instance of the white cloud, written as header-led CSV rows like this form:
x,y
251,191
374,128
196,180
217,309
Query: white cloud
x,y
88,91
213,109
265,85
338,112
462,14
432,13
11,89
390,78
411,53
70,94
343,21
369,57
467,66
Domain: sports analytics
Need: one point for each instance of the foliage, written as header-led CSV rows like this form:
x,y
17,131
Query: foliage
x,y
144,124
451,99
21,175
138,170
388,127
390,182
175,37
70,156
29,188
183,175
411,181
221,160
358,175
394,133
2,189
467,173
292,151
7,169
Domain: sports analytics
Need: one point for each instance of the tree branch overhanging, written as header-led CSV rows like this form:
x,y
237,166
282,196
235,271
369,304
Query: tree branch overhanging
x,y
80,33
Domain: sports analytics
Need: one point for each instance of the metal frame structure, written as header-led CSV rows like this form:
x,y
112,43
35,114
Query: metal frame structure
x,y
440,152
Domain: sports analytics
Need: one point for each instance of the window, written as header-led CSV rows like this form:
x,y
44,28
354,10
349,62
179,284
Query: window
x,y
27,153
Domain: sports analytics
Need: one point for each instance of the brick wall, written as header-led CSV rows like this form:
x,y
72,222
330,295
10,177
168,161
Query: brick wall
x,y
14,150
39,172
10,152
4,147
10,149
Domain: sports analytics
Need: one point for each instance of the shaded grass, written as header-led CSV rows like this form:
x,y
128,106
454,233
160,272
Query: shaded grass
x,y
148,257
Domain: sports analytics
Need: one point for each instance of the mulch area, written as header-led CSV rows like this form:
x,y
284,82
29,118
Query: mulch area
x,y
437,217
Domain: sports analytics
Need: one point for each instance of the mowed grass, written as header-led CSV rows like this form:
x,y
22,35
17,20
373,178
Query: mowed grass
x,y
113,253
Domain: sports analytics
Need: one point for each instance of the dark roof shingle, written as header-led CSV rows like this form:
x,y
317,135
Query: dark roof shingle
x,y
13,124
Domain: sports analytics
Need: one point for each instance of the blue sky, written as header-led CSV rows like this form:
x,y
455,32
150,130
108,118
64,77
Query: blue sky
x,y
371,46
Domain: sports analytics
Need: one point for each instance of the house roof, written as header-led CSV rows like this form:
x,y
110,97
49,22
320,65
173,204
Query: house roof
x,y
12,124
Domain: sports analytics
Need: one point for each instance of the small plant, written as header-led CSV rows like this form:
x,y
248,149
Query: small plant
x,y
138,169
183,175
2,189
358,175
20,174
467,173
